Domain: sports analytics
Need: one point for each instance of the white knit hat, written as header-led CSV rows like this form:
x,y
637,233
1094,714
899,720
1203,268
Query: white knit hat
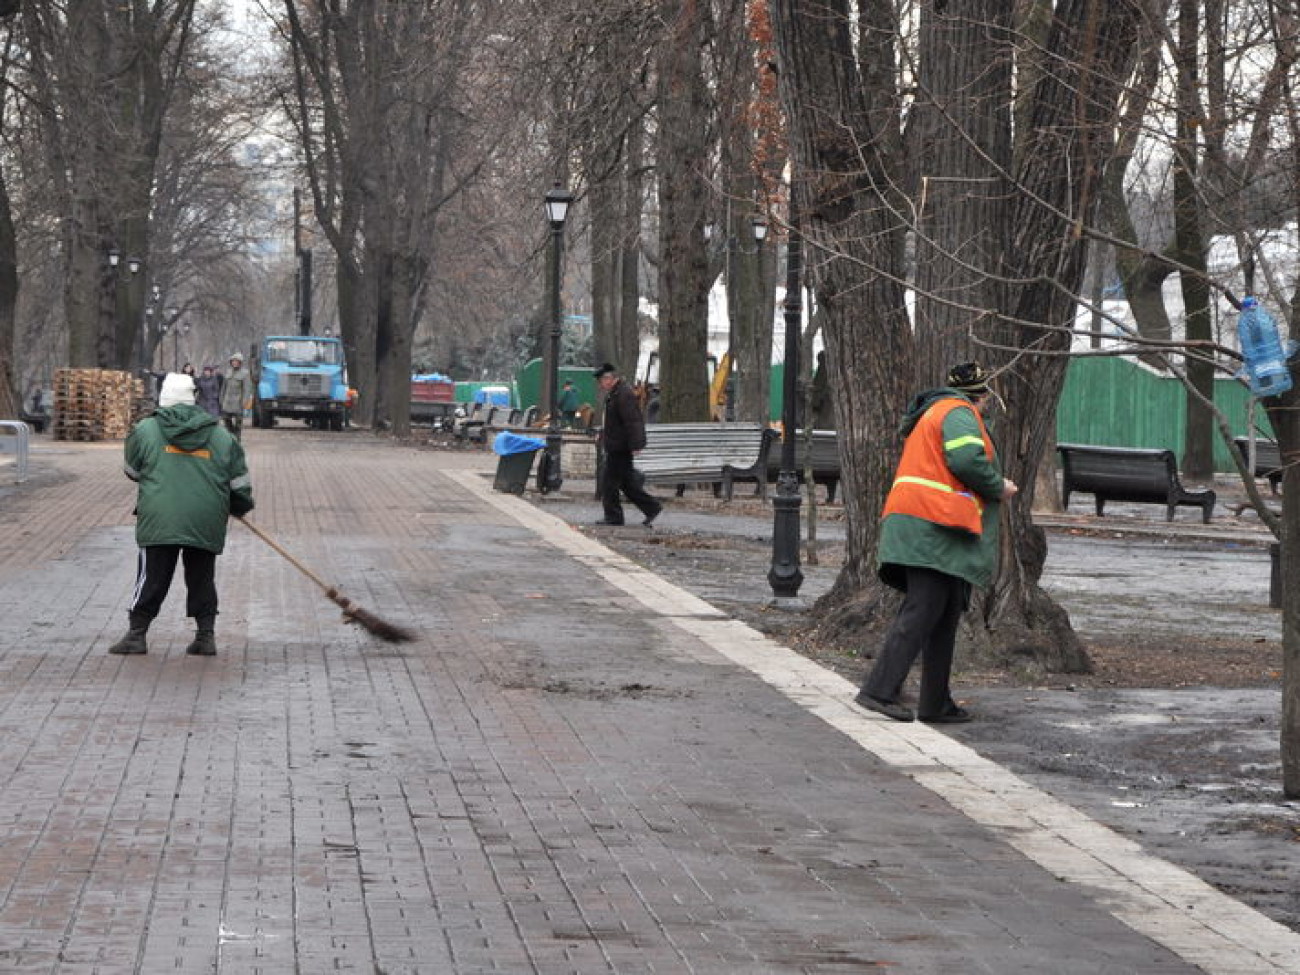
x,y
176,388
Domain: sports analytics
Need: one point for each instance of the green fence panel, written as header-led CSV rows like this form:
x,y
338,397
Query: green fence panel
x,y
1116,402
529,381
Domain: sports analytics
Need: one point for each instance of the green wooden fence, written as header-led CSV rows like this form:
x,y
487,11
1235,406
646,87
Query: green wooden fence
x,y
1115,402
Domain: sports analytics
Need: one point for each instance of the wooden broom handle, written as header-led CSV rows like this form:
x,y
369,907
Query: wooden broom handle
x,y
328,589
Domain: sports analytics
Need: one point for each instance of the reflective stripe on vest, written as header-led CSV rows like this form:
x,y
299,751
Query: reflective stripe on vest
x,y
924,487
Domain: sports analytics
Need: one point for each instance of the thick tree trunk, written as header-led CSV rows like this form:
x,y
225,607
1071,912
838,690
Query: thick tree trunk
x,y
836,89
1059,164
1191,248
960,151
841,112
682,160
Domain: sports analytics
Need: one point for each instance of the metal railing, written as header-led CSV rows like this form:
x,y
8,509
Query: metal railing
x,y
22,443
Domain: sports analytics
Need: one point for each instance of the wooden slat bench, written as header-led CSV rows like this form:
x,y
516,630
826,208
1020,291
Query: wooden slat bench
x,y
825,460
703,453
1128,474
1268,460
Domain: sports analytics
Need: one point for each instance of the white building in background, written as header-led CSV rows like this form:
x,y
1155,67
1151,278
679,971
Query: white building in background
x,y
720,326
1279,260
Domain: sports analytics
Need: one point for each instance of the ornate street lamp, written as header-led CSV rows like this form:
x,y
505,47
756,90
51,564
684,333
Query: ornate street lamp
x,y
785,576
549,477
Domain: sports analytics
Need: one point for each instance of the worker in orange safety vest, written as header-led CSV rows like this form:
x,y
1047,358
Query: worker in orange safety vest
x,y
938,538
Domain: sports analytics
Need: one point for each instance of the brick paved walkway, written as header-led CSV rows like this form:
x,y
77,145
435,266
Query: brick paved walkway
x,y
556,778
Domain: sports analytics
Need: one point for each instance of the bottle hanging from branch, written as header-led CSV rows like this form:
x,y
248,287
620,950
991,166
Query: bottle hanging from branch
x,y
1261,346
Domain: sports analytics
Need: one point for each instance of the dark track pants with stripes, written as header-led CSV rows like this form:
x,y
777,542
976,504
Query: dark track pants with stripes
x,y
153,579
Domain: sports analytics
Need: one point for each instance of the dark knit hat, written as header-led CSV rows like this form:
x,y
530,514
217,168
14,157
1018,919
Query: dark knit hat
x,y
606,369
968,378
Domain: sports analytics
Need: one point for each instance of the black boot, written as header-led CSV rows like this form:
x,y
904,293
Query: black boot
x,y
204,643
134,641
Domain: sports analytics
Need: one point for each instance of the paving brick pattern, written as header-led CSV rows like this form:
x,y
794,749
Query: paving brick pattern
x,y
552,779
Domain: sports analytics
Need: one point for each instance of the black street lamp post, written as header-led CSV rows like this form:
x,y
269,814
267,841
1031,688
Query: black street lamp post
x,y
150,309
785,576
549,477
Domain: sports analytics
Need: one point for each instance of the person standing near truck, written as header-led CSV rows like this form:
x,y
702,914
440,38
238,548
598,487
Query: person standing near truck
x,y
235,392
209,387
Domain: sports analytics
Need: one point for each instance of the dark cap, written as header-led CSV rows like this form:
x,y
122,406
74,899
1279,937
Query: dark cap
x,y
605,369
968,378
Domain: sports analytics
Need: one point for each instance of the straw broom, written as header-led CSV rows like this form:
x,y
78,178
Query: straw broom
x,y
352,613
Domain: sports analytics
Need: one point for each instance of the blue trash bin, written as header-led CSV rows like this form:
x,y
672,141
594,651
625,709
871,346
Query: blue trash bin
x,y
516,455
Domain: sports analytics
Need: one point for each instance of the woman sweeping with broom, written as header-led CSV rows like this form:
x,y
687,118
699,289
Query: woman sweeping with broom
x,y
191,478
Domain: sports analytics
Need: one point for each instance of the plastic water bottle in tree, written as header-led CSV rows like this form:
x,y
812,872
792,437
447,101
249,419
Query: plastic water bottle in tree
x,y
1261,346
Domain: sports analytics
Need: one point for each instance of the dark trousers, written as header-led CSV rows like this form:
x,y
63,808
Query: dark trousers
x,y
153,578
620,476
234,423
926,626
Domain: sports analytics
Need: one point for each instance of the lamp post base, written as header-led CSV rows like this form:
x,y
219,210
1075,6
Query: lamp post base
x,y
549,477
785,577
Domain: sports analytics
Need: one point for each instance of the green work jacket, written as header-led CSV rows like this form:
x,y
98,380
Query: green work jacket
x,y
191,477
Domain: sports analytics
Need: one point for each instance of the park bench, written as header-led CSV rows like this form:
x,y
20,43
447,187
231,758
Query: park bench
x,y
1268,460
1128,474
704,453
37,421
825,455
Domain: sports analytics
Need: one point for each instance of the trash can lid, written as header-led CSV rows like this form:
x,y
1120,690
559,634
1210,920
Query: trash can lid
x,y
506,443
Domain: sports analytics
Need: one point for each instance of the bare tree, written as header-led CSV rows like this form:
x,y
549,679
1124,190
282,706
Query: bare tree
x,y
384,102
685,137
103,74
842,98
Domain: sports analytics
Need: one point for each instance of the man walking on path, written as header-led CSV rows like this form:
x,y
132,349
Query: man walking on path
x,y
192,476
621,437
235,391
938,538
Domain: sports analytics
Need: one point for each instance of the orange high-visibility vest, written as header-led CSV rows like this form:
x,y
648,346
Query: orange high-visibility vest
x,y
924,487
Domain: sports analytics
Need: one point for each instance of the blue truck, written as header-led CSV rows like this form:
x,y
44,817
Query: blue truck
x,y
302,377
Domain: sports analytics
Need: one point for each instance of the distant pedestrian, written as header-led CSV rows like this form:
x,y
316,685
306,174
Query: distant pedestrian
x,y
209,391
938,538
568,405
235,392
621,437
188,369
191,478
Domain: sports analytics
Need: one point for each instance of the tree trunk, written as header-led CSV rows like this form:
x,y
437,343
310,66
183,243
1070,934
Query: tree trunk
x,y
682,159
836,90
1284,414
960,139
1070,113
1190,248
1059,164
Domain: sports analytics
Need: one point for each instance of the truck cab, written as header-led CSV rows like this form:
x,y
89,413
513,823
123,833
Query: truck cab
x,y
302,377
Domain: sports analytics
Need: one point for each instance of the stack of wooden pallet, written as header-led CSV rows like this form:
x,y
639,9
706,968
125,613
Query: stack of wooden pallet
x,y
94,404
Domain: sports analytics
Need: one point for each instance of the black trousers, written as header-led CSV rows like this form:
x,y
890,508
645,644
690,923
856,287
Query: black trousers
x,y
153,578
620,477
926,626
234,423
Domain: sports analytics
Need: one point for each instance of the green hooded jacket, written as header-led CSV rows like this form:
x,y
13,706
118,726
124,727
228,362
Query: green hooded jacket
x,y
191,475
906,540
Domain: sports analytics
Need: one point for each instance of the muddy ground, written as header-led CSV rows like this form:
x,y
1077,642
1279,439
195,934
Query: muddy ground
x,y
1172,741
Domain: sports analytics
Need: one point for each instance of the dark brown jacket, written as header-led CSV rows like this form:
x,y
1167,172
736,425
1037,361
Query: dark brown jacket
x,y
624,430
